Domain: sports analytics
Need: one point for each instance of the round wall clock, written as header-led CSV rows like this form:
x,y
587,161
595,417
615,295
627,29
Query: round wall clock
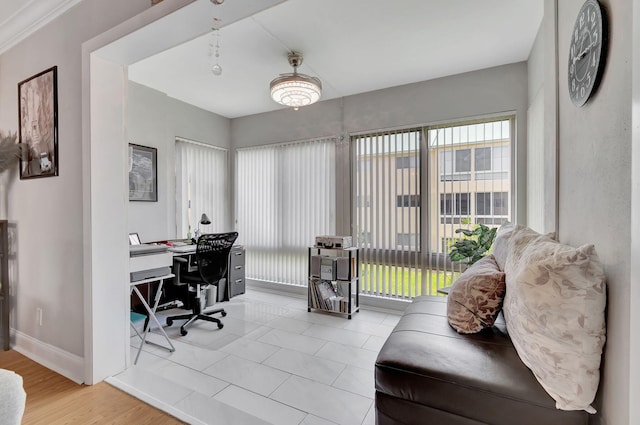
x,y
587,52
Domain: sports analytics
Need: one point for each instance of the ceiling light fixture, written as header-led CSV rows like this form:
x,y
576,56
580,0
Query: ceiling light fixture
x,y
214,43
214,48
295,89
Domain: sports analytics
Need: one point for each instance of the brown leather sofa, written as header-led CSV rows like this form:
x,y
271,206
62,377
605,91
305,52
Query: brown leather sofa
x,y
427,373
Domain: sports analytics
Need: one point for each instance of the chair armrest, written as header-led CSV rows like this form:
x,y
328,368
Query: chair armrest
x,y
180,259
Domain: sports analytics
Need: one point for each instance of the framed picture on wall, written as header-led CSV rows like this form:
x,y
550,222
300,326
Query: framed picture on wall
x,y
143,173
38,124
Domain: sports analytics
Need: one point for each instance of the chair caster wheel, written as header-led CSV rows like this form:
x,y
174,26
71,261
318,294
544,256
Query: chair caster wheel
x,y
183,332
169,322
224,313
220,325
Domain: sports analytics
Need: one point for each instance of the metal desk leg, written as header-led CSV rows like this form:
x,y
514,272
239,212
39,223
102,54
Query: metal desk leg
x,y
152,316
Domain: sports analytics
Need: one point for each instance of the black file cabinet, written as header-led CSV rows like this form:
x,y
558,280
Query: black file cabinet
x,y
233,284
235,274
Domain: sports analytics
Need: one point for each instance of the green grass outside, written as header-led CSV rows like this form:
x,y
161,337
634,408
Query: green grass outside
x,y
403,281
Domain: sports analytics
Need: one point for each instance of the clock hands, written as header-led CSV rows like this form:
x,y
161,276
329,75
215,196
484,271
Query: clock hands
x,y
583,52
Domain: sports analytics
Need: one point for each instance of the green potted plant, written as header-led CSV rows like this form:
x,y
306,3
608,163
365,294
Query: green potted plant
x,y
10,151
474,244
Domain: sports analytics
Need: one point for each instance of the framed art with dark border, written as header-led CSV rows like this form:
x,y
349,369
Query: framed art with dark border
x,y
143,173
38,124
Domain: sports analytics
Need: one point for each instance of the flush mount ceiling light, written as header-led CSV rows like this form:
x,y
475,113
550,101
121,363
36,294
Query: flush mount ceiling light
x,y
295,89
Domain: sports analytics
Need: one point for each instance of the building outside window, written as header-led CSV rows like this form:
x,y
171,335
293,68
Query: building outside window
x,y
422,184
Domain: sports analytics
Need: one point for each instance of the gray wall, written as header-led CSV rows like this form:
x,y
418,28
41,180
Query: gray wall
x,y
49,211
154,119
495,90
594,179
595,185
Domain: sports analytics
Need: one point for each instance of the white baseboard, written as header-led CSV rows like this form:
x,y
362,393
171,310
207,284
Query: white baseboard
x,y
142,396
367,301
66,364
277,287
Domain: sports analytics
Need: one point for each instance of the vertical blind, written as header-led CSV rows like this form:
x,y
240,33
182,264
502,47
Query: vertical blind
x,y
285,197
414,188
201,187
387,212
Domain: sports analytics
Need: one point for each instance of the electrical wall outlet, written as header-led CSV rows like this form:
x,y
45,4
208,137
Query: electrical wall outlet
x,y
39,316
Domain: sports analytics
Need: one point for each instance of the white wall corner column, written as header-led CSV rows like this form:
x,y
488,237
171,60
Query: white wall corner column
x,y
634,299
105,205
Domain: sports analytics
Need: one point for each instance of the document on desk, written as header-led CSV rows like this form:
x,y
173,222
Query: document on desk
x,y
183,249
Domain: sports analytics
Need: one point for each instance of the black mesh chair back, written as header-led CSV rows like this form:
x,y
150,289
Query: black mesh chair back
x,y
212,254
212,258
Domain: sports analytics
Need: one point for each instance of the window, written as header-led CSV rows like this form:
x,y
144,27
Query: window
x,y
459,176
492,204
491,162
501,203
285,198
405,162
201,187
408,201
463,160
389,230
483,203
455,165
405,240
454,204
483,159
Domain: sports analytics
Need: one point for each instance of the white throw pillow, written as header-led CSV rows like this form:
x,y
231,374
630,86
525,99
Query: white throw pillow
x,y
501,243
554,311
512,239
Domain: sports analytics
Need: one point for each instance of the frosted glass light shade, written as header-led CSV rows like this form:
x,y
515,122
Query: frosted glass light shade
x,y
296,90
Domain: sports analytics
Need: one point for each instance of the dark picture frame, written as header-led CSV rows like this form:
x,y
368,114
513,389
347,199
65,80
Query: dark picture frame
x,y
143,173
38,124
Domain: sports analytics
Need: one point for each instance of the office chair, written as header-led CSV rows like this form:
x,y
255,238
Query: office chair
x,y
212,258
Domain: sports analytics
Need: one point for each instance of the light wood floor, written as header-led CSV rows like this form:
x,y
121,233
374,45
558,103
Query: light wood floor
x,y
54,399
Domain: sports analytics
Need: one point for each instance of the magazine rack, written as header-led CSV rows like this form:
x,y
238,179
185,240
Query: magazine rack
x,y
334,288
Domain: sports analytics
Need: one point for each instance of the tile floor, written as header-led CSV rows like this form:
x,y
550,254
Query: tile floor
x,y
272,363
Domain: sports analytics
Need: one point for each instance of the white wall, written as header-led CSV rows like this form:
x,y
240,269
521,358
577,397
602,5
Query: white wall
x,y
154,119
535,136
106,266
542,162
595,186
634,308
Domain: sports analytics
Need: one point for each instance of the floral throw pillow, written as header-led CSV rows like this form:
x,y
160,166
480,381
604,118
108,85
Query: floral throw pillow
x,y
475,298
554,311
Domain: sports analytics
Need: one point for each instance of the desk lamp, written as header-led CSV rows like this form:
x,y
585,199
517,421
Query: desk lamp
x,y
204,220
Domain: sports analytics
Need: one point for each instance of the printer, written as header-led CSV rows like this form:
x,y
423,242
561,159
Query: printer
x,y
147,261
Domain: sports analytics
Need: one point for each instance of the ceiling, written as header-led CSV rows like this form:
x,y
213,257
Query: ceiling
x,y
353,46
19,18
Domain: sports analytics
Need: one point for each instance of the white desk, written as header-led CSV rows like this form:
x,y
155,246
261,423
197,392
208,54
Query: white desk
x,y
152,311
183,249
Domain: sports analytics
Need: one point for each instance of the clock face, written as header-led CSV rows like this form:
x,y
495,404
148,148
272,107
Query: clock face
x,y
586,52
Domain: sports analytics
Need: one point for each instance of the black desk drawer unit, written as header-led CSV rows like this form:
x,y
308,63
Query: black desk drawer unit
x,y
235,274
